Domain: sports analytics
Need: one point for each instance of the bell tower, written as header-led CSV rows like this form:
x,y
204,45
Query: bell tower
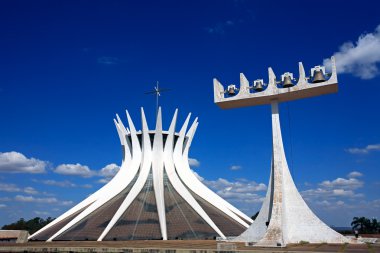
x,y
284,216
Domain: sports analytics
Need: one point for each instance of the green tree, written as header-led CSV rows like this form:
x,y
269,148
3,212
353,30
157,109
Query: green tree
x,y
360,224
365,225
374,226
31,225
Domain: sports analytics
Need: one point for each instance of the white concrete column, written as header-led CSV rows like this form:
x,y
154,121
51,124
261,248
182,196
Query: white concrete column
x,y
290,219
273,235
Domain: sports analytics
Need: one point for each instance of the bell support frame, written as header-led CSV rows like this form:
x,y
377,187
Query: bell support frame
x,y
303,89
284,216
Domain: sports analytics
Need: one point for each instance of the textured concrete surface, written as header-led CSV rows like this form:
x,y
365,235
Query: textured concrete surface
x,y
20,236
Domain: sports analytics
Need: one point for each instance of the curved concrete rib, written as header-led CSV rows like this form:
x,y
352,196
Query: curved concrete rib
x,y
124,143
71,211
205,192
188,177
176,182
95,196
139,160
125,132
158,174
139,184
119,184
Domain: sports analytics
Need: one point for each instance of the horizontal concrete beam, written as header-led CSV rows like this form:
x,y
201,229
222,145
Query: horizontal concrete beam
x,y
247,97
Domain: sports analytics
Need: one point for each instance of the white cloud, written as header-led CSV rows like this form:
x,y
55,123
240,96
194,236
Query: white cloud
x,y
354,174
3,205
30,190
9,187
366,150
22,198
351,183
339,212
64,183
240,190
240,185
332,205
104,180
244,194
42,213
66,203
109,171
337,201
360,58
74,170
336,189
345,193
49,200
321,193
235,167
14,188
194,162
14,162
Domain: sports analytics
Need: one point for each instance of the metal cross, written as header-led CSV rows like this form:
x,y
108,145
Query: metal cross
x,y
157,91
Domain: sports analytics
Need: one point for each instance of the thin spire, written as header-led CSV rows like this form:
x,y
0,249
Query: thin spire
x,y
157,91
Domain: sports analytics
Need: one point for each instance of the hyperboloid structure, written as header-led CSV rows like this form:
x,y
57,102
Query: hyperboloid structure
x,y
155,194
284,216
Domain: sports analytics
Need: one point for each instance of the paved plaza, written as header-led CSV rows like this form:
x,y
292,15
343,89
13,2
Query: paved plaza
x,y
192,246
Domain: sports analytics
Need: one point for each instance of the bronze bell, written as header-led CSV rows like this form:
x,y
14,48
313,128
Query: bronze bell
x,y
318,76
258,86
287,82
231,90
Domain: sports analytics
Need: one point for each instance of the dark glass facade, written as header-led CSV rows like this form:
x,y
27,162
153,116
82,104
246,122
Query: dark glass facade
x,y
140,221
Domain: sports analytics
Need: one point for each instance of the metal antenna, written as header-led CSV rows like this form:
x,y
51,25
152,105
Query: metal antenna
x,y
157,91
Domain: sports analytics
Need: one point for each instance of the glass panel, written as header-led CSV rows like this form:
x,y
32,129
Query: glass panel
x,y
181,219
91,227
45,235
140,221
226,224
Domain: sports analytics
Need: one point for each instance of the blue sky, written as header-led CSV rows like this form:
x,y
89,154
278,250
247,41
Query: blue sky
x,y
66,68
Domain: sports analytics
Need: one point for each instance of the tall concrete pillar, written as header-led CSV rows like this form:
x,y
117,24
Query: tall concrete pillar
x,y
284,216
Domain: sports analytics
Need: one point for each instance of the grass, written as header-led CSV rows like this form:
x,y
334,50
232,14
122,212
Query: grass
x,y
343,247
